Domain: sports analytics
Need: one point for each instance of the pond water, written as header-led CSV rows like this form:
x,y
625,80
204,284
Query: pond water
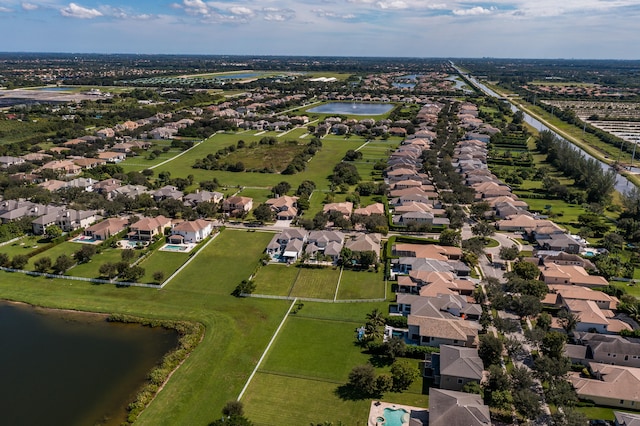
x,y
352,108
238,76
404,85
67,368
53,89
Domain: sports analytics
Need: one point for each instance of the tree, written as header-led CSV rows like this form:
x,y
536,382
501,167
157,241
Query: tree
x,y
521,378
527,305
4,260
561,392
509,253
245,287
127,255
483,229
544,321
527,403
613,242
384,383
526,270
63,262
394,347
109,270
475,245
367,258
232,421
233,408
281,189
19,261
363,379
450,237
568,320
513,347
569,417
263,213
85,253
404,374
158,276
134,273
479,209
547,368
43,264
53,231
490,350
553,344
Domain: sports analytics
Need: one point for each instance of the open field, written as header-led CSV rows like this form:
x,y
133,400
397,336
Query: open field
x,y
91,269
162,261
361,285
237,330
276,279
318,168
311,358
22,246
67,248
316,283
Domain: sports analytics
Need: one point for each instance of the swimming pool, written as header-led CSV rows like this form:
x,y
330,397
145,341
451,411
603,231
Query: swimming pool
x,y
395,416
178,248
85,239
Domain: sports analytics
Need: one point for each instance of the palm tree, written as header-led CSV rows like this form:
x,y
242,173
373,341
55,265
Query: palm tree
x,y
376,317
568,320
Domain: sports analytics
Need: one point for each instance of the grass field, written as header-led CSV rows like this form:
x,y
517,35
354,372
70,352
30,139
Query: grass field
x,y
276,279
67,248
23,246
275,157
237,330
162,261
316,283
318,167
91,269
311,358
361,285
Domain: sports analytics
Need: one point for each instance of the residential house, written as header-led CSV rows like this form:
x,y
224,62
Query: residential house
x,y
570,274
198,197
52,185
8,161
67,219
89,163
365,242
626,419
592,318
329,243
428,251
564,258
280,242
454,367
107,228
237,205
191,231
435,332
609,349
372,209
285,207
63,167
452,408
148,227
167,192
344,208
112,157
575,292
610,385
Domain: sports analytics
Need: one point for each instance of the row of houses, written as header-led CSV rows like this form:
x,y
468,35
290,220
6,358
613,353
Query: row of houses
x,y
320,246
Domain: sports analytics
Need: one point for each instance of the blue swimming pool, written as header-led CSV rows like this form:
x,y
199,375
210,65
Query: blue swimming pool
x,y
396,416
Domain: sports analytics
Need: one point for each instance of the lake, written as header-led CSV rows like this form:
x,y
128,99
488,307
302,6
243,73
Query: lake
x,y
352,108
69,368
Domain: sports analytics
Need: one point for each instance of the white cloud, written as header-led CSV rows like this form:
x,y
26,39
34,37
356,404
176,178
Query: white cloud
x,y
120,13
195,7
397,4
241,10
474,11
80,12
29,6
5,9
279,15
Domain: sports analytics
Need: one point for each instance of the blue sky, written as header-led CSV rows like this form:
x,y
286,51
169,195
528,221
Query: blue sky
x,y
597,29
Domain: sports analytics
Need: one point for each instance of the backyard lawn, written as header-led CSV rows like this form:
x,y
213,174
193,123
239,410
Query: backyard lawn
x,y
300,378
275,279
316,283
361,285
161,261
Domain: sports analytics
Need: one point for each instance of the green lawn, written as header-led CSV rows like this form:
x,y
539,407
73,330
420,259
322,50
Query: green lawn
x,y
275,279
67,248
237,329
91,269
318,168
23,246
259,195
316,283
361,285
310,360
164,261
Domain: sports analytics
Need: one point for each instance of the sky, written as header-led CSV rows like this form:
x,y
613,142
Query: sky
x,y
570,29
